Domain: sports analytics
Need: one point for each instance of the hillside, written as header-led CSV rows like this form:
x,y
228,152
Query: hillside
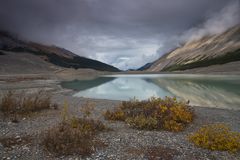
x,y
26,52
207,51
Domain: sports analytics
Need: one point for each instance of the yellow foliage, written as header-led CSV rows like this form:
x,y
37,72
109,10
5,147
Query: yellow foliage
x,y
142,122
64,113
74,122
172,125
23,104
87,109
118,115
154,113
75,136
181,113
216,137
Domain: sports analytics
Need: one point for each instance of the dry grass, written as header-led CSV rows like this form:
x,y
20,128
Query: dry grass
x,y
74,135
13,104
8,142
216,137
154,113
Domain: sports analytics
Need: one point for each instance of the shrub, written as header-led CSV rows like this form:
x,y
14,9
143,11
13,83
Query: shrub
x,y
64,112
142,122
172,125
216,137
118,115
154,113
8,103
21,104
9,142
74,135
87,109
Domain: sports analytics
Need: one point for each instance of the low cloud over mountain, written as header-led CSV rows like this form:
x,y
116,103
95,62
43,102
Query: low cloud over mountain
x,y
123,33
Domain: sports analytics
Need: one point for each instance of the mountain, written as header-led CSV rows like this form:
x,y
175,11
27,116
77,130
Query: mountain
x,y
205,52
51,54
145,67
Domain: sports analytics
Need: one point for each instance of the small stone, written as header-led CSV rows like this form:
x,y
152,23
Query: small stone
x,y
25,148
17,137
118,139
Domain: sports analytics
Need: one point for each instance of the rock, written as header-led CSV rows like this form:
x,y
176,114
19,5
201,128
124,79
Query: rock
x,y
118,140
25,148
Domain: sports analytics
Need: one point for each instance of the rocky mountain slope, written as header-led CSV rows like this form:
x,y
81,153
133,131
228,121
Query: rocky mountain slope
x,y
209,50
18,52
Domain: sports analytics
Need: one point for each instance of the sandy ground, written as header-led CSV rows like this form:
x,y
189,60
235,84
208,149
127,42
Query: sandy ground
x,y
122,142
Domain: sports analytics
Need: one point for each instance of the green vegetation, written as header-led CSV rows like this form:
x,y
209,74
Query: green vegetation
x,y
154,113
216,137
74,62
226,58
74,135
13,104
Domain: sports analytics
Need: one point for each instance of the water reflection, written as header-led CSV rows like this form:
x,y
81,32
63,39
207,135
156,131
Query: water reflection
x,y
209,91
124,89
86,84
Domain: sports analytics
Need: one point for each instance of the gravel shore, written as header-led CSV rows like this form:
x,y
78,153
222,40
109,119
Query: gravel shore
x,y
122,141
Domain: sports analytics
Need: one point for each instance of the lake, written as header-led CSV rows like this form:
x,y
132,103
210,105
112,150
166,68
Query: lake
x,y
201,90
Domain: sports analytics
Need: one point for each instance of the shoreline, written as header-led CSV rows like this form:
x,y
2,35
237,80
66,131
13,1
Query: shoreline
x,y
122,141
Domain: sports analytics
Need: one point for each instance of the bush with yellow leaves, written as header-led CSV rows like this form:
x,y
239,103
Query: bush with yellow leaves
x,y
74,135
117,115
143,122
216,137
154,113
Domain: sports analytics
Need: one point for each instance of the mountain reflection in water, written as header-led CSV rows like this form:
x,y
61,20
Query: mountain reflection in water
x,y
201,90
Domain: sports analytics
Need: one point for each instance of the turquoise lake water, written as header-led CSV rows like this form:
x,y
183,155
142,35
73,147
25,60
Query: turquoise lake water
x,y
201,90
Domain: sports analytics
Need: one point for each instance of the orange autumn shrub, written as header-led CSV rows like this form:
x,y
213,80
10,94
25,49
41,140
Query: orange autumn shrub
x,y
154,113
216,137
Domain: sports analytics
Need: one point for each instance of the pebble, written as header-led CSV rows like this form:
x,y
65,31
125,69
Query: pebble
x,y
117,140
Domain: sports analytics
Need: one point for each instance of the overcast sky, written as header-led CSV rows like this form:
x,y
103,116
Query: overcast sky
x,y
123,33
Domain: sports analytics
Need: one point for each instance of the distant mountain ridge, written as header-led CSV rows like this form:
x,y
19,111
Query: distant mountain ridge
x,y
53,54
209,50
145,67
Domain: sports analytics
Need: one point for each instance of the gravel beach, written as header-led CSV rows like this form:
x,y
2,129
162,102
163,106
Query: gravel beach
x,y
122,142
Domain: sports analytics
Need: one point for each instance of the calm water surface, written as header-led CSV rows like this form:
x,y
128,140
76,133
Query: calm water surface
x,y
201,90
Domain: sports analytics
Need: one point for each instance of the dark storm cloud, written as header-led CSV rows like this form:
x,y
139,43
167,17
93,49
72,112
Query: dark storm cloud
x,y
125,33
